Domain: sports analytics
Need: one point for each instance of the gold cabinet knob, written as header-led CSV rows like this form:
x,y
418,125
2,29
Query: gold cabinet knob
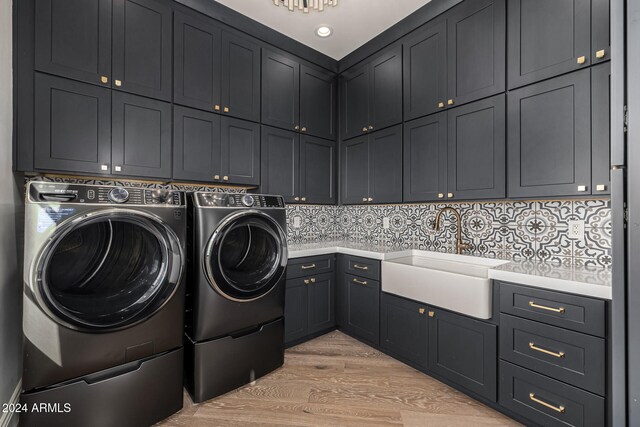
x,y
118,168
370,199
440,104
216,107
601,187
297,199
421,310
226,109
440,196
582,188
364,129
601,54
216,177
581,60
364,199
450,102
370,127
432,313
225,178
104,79
309,281
104,167
296,127
450,195
304,199
304,129
117,83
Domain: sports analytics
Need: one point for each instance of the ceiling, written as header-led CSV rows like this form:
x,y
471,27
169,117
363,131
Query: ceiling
x,y
354,22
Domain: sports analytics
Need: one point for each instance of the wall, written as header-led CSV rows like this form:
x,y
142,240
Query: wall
x,y
512,230
11,212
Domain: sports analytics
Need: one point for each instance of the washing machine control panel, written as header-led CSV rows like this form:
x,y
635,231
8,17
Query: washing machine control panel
x,y
230,200
53,192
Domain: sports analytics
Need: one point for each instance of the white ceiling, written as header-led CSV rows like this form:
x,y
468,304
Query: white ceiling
x,y
354,22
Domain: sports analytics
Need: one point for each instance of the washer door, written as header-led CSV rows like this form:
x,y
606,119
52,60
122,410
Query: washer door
x,y
246,256
108,270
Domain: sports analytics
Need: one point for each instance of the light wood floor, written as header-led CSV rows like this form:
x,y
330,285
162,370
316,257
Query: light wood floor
x,y
335,380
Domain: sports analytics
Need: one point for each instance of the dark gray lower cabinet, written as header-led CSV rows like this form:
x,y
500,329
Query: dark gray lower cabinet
x,y
464,351
362,307
320,302
295,310
404,331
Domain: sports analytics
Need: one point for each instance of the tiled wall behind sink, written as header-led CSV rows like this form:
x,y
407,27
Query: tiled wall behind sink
x,y
513,230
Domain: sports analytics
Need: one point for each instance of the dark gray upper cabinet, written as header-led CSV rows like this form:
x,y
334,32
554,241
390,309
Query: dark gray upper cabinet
x,y
354,102
141,136
476,150
318,103
72,126
196,145
240,78
240,151
372,94
355,170
385,169
73,39
425,159
280,91
197,70
476,52
425,70
280,158
547,38
601,129
600,31
320,302
385,107
404,329
317,170
550,137
142,48
464,350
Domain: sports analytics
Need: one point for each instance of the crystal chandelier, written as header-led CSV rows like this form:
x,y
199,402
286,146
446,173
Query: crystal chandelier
x,y
305,5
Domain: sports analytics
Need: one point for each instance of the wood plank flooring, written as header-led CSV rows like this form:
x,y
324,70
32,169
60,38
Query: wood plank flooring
x,y
335,380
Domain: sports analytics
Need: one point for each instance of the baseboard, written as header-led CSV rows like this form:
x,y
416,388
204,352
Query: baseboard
x,y
7,417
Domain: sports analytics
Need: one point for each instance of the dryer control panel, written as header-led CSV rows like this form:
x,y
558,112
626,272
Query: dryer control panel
x,y
53,192
233,200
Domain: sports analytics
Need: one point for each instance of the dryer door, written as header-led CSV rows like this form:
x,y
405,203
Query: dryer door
x,y
246,256
108,270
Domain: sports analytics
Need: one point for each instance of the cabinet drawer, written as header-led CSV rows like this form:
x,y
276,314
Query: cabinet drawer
x,y
302,267
574,358
573,312
546,401
363,267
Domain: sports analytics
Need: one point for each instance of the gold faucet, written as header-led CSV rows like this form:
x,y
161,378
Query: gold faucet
x,y
460,245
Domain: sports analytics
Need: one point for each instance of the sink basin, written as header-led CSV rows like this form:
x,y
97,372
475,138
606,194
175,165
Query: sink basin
x,y
458,283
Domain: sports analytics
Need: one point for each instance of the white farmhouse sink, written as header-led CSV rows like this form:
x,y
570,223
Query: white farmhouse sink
x,y
458,283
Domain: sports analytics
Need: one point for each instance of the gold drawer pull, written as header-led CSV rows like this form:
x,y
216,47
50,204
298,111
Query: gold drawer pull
x,y
308,281
432,313
545,404
306,267
544,307
560,354
421,310
601,54
359,282
581,60
360,267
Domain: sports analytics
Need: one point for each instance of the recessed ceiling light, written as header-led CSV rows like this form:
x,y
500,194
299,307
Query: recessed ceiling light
x,y
324,31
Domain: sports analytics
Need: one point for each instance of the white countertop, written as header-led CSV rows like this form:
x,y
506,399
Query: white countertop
x,y
581,280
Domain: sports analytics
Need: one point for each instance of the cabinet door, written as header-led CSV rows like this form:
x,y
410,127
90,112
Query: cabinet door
x,y
240,152
476,51
600,129
196,145
404,329
141,136
354,102
240,77
318,105
73,39
320,298
476,150
600,31
295,310
196,63
317,170
72,126
280,156
464,350
386,90
425,159
425,71
546,38
355,170
550,137
280,91
142,48
385,170
363,308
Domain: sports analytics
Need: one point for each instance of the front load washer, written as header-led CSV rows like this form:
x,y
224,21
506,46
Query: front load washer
x,y
235,294
103,303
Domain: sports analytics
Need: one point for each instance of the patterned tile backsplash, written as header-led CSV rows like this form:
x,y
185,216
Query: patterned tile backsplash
x,y
512,230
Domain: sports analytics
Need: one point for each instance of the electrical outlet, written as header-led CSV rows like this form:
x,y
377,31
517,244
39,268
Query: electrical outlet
x,y
576,229
385,223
